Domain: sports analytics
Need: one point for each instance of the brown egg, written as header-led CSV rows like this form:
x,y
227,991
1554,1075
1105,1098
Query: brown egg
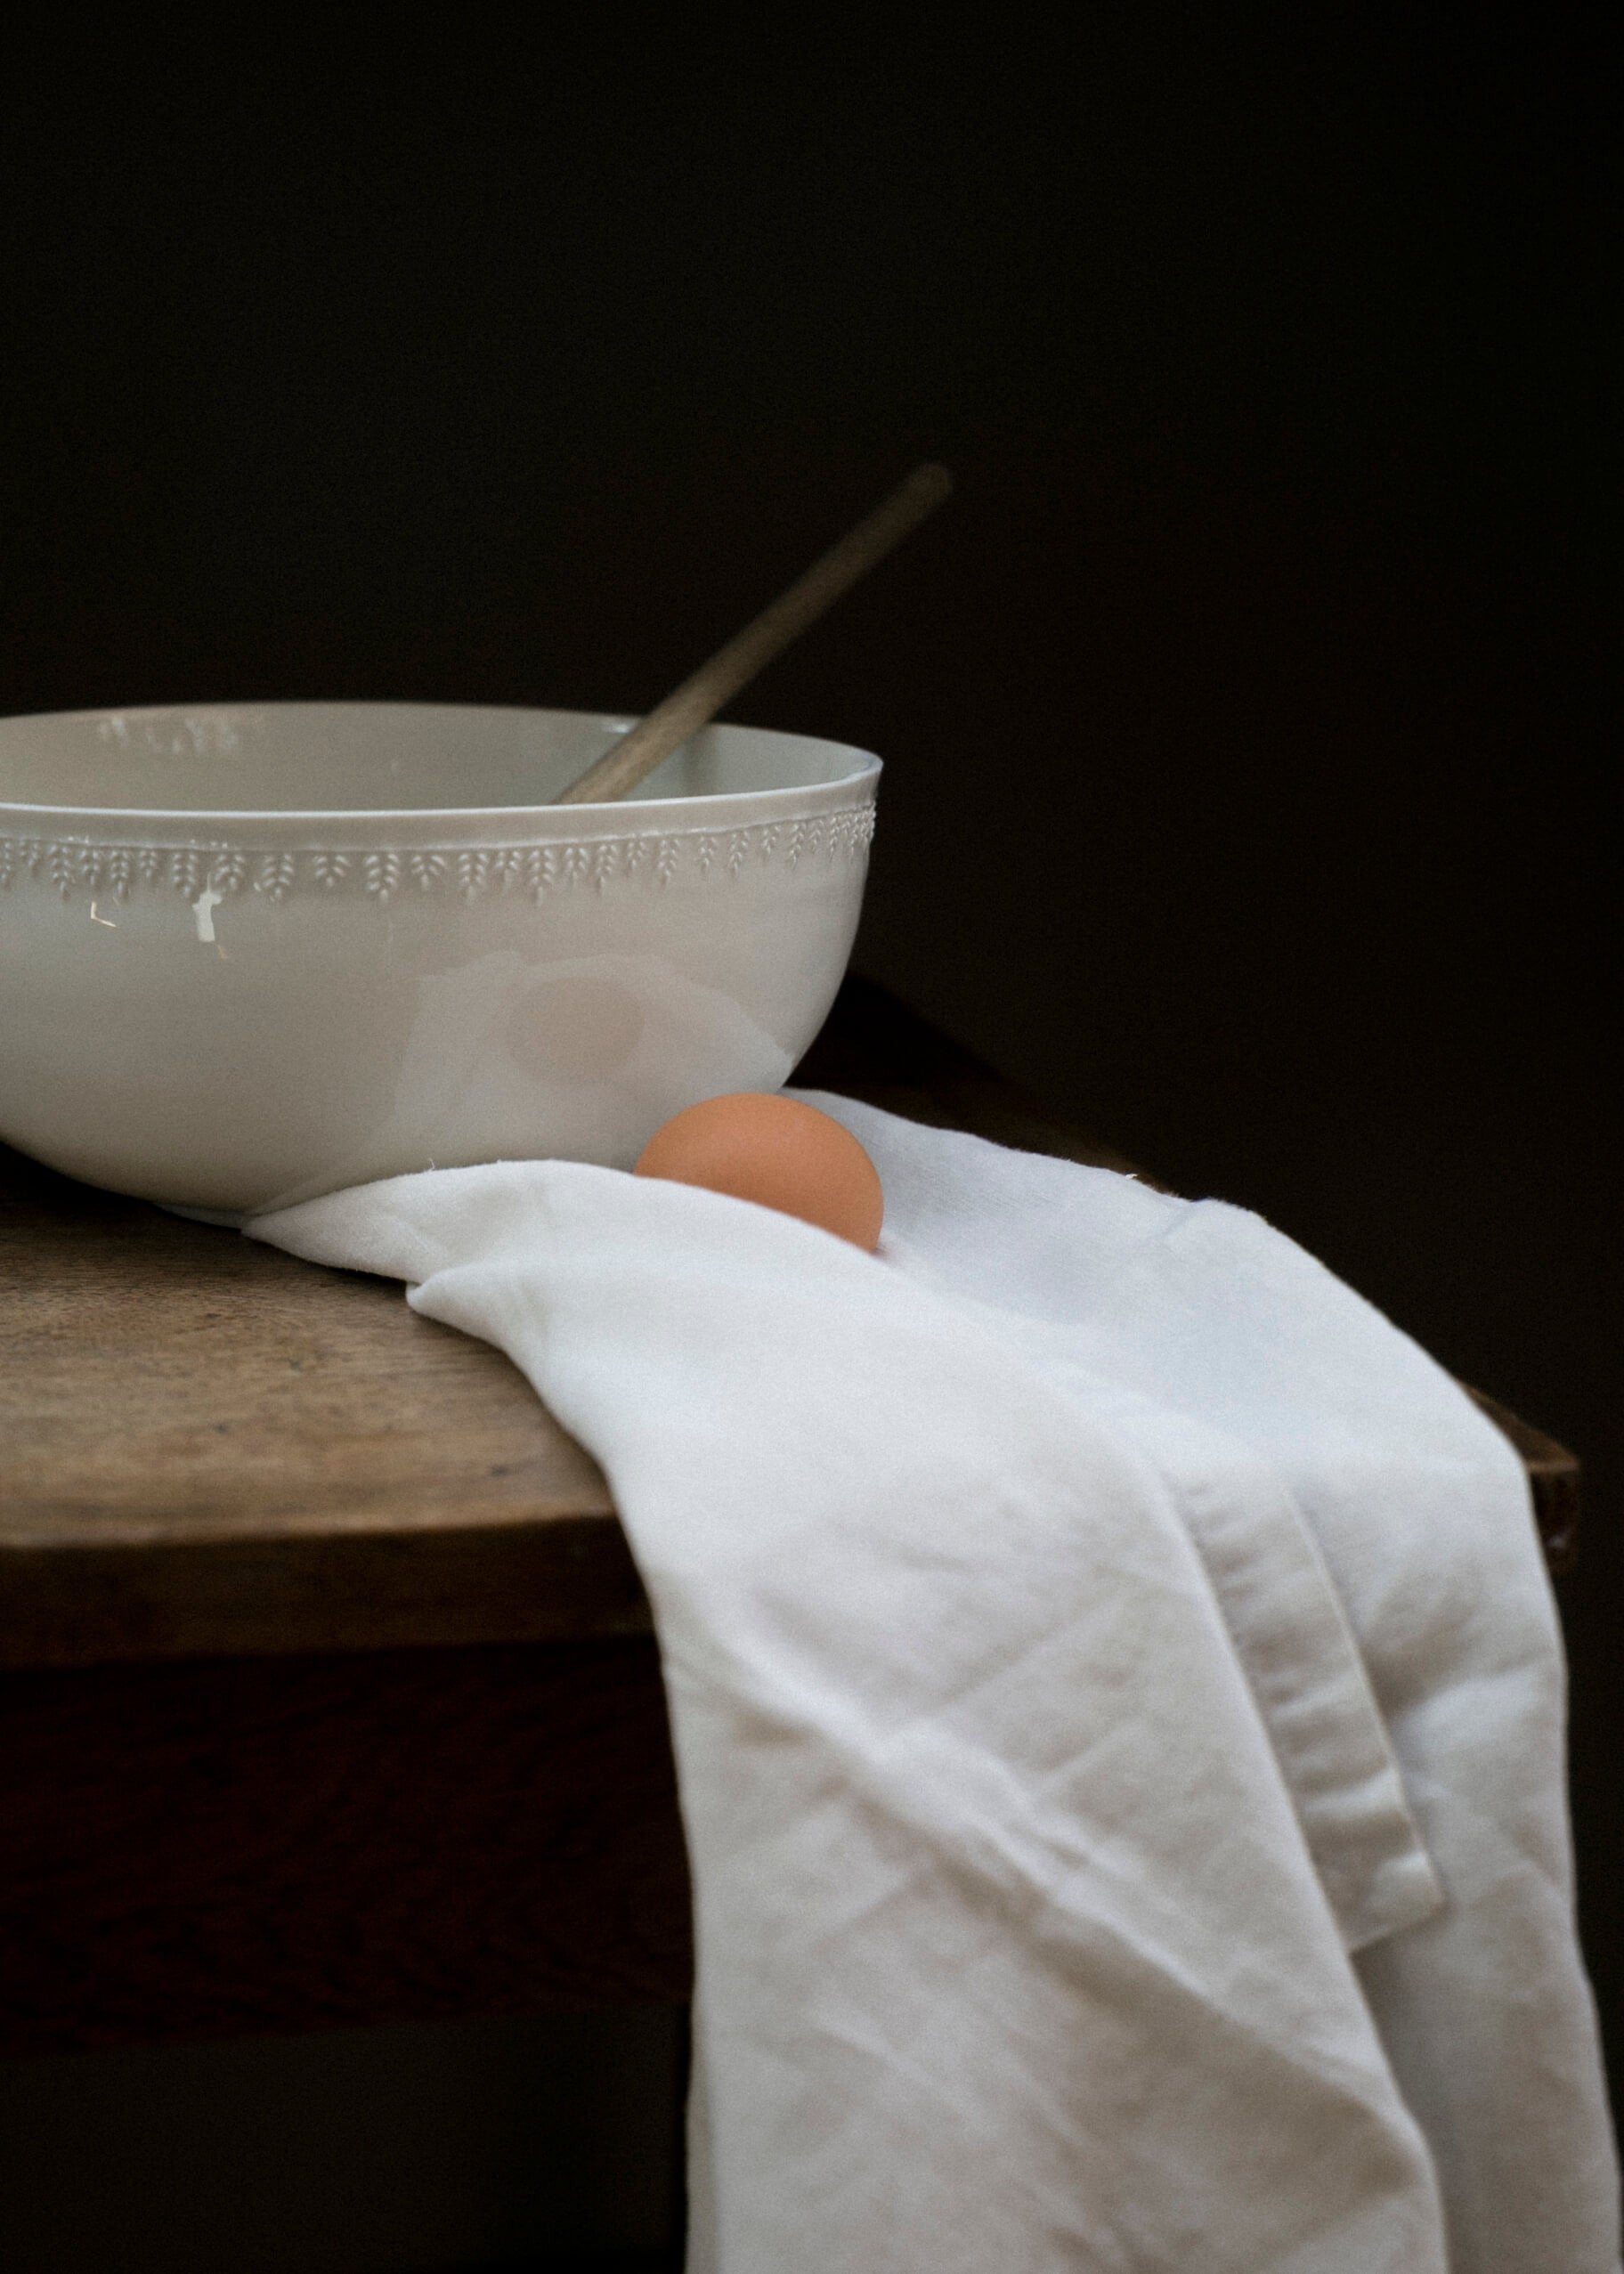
x,y
774,1151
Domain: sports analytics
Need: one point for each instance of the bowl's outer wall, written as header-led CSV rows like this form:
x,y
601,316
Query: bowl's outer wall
x,y
230,1027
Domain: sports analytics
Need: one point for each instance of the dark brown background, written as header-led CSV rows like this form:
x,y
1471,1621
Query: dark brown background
x,y
1242,714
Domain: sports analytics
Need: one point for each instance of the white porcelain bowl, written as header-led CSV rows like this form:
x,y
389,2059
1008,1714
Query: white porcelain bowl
x,y
251,954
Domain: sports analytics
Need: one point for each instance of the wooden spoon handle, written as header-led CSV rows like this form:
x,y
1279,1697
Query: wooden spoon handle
x,y
716,682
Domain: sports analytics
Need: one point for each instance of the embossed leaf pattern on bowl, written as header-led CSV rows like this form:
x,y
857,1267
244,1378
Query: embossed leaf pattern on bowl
x,y
470,869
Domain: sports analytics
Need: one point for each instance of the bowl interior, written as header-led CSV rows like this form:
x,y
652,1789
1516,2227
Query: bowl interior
x,y
275,758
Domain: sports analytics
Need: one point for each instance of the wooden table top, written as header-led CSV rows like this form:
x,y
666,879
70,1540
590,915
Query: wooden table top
x,y
208,1447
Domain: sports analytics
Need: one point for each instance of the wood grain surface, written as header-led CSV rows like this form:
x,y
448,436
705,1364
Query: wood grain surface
x,y
206,1445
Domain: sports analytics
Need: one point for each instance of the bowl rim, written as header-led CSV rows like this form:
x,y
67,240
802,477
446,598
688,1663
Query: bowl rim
x,y
580,819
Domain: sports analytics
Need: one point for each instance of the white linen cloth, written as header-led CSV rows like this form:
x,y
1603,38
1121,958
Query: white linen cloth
x,y
1119,1711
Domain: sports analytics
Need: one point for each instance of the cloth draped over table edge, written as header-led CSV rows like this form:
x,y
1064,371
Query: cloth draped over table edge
x,y
1026,1881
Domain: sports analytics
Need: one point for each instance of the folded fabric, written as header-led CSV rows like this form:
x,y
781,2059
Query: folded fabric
x,y
1118,1715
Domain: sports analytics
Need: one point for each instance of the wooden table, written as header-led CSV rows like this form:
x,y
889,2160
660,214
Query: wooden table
x,y
328,1689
